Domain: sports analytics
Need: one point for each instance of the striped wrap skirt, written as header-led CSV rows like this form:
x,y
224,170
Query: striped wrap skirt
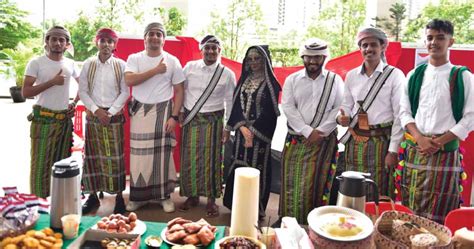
x,y
104,165
51,141
201,156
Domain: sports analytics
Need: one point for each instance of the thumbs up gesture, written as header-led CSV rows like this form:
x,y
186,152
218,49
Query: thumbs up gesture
x,y
58,78
161,68
342,119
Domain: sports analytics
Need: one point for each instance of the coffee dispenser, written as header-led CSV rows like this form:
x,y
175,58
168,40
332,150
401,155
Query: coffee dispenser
x,y
352,190
65,191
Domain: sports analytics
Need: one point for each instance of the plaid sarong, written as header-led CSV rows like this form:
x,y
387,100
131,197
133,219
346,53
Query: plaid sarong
x,y
430,184
201,157
104,166
51,141
152,170
307,175
369,157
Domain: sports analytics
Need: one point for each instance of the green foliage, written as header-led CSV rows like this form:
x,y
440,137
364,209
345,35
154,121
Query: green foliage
x,y
82,36
173,20
394,25
17,59
284,48
460,14
338,25
13,26
243,18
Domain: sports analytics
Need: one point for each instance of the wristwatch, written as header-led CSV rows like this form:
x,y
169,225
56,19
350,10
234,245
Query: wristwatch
x,y
175,117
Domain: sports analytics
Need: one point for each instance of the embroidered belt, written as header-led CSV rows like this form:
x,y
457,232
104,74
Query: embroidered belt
x,y
39,111
451,146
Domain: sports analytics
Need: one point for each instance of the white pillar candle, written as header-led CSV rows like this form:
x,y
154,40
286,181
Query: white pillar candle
x,y
245,202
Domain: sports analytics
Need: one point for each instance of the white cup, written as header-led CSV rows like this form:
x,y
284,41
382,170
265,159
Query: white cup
x,y
70,224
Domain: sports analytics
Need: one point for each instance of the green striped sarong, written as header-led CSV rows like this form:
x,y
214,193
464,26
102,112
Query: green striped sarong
x,y
201,158
104,165
307,175
430,184
51,141
369,157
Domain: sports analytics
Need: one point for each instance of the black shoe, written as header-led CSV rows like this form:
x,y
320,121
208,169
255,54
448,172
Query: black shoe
x,y
92,203
119,205
101,195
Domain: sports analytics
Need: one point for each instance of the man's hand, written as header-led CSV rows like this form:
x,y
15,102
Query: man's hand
x,y
343,120
58,79
314,138
391,160
71,109
103,116
248,136
225,136
161,68
170,125
427,145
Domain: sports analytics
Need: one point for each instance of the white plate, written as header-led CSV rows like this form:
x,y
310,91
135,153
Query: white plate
x,y
317,218
163,236
140,228
259,243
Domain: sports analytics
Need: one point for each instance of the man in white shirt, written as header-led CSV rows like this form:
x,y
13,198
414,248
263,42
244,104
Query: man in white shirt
x,y
311,99
437,110
48,78
208,91
153,75
103,91
370,110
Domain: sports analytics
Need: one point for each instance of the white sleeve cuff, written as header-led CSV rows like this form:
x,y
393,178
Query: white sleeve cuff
x,y
460,131
113,110
393,147
307,130
94,108
404,120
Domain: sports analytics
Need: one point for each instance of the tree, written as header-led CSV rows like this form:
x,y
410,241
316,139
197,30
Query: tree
x,y
394,25
173,20
13,26
82,36
242,22
284,48
460,14
338,25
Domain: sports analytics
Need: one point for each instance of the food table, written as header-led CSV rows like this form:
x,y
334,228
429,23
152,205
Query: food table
x,y
152,228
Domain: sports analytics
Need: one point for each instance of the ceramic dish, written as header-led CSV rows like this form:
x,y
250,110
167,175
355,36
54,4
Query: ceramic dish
x,y
321,218
163,236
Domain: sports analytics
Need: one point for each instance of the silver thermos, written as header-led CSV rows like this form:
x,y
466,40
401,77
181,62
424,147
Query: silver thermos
x,y
352,185
65,191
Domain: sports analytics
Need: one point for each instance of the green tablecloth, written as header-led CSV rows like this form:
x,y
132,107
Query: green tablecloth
x,y
152,228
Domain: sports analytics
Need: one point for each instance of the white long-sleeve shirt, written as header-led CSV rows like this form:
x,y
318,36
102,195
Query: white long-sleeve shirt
x,y
434,115
104,92
198,75
300,99
386,105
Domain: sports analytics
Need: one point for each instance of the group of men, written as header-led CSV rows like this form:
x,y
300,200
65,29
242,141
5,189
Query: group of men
x,y
430,111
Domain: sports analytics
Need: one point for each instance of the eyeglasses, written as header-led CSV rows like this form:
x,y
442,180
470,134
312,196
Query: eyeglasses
x,y
316,58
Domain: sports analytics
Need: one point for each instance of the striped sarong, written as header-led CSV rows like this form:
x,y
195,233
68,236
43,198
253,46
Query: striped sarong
x,y
259,157
430,184
152,170
51,141
104,166
369,157
201,157
307,175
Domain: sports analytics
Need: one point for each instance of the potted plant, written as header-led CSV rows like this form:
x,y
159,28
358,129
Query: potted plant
x,y
14,65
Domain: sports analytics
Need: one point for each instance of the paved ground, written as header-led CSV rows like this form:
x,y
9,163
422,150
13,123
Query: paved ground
x,y
15,160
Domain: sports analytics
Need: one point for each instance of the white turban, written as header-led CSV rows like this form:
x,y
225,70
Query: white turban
x,y
209,39
314,47
372,32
